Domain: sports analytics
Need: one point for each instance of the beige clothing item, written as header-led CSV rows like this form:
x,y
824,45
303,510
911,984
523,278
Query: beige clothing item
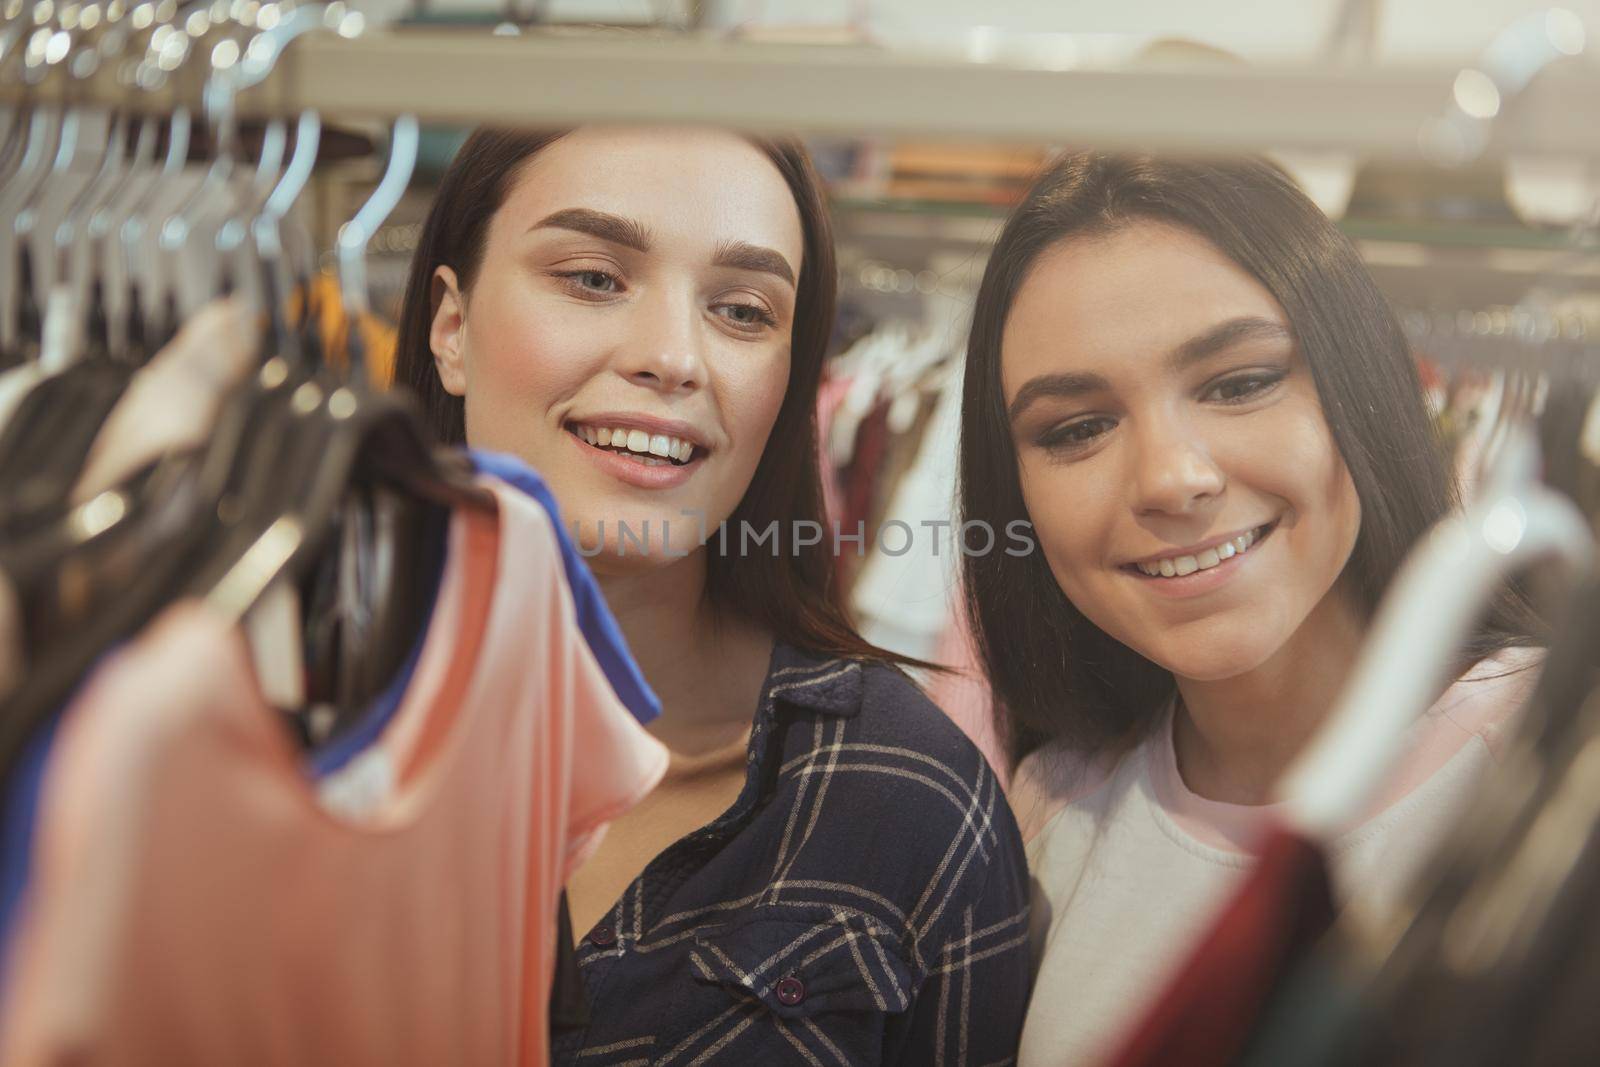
x,y
172,402
694,792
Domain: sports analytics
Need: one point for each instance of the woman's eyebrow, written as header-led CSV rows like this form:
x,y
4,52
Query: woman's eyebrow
x,y
741,255
607,227
1073,384
1064,386
1217,339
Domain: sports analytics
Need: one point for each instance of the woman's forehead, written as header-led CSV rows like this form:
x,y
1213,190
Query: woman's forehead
x,y
681,185
1138,291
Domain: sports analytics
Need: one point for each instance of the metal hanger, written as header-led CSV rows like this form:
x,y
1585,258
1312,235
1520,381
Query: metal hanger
x,y
175,231
354,235
267,230
139,327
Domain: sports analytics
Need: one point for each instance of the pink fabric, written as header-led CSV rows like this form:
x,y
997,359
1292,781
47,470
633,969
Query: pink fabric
x,y
964,693
1478,707
193,902
830,394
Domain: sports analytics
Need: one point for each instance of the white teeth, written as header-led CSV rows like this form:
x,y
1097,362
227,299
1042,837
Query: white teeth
x,y
1177,566
641,442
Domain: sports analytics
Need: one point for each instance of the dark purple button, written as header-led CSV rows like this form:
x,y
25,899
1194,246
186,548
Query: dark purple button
x,y
603,935
791,991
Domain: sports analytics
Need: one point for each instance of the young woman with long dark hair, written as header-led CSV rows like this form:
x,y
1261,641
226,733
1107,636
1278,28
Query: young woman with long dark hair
x,y
1182,375
830,873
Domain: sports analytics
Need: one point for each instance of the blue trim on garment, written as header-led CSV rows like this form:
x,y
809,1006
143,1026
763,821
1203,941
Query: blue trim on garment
x,y
17,823
21,794
594,617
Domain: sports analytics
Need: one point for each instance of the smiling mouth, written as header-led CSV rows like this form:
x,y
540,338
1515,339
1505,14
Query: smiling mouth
x,y
1183,566
646,449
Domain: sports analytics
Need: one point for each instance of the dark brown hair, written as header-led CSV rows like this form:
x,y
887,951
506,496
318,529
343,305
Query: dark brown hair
x,y
791,591
1057,677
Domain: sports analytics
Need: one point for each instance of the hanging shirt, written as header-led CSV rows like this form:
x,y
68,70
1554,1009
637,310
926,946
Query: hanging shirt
x,y
594,617
1133,868
194,902
15,383
172,402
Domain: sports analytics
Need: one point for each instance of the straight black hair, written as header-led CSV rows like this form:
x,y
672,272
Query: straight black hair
x,y
1055,676
792,591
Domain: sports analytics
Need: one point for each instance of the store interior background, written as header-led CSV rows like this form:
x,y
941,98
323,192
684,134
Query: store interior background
x,y
915,217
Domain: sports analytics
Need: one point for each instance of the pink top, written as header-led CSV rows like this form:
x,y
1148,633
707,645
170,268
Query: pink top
x,y
1481,706
193,901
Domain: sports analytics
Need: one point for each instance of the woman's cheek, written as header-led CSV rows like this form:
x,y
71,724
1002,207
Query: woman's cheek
x,y
752,399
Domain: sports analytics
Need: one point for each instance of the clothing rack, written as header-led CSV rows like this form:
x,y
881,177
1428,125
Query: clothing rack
x,y
456,75
1496,338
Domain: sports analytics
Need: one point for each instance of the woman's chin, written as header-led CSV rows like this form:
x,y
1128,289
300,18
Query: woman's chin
x,y
618,556
1215,662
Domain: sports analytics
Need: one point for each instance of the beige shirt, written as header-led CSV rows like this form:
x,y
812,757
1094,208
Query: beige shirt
x,y
696,790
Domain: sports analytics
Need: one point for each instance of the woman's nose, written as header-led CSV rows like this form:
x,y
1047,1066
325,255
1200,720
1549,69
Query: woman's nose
x,y
666,348
1175,472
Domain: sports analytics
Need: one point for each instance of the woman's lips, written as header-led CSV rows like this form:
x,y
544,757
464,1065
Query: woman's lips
x,y
638,472
1203,578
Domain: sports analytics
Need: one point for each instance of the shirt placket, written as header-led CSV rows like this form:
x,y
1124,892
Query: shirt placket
x,y
609,942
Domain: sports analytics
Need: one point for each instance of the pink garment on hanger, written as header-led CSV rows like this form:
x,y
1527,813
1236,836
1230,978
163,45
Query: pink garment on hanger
x,y
193,902
964,692
830,394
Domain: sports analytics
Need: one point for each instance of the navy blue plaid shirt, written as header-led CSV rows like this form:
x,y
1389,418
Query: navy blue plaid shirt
x,y
864,901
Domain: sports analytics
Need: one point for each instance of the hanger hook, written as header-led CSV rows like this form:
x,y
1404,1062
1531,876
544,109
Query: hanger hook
x,y
354,235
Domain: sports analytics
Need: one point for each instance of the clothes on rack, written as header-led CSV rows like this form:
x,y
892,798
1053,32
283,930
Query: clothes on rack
x,y
1270,924
1100,836
892,461
172,402
305,722
376,336
172,805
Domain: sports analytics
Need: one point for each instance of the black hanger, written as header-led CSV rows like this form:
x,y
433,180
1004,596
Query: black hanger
x,y
1419,1004
199,516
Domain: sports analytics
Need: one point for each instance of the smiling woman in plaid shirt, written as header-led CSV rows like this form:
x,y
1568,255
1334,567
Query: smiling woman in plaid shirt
x,y
830,873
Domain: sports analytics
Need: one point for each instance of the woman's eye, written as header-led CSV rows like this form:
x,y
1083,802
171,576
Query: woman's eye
x,y
591,282
598,280
1244,387
1077,434
748,316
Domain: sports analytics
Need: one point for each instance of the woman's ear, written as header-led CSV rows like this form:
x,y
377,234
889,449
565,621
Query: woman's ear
x,y
445,335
